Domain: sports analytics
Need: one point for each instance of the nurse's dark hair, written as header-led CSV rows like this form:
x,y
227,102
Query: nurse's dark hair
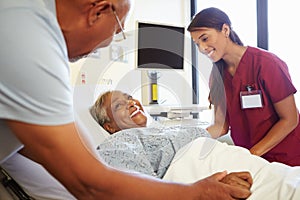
x,y
215,18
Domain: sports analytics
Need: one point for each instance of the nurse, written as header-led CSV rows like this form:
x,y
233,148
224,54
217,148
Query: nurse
x,y
251,90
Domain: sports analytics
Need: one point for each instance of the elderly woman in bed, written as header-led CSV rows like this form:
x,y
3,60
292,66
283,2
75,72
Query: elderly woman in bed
x,y
166,152
147,150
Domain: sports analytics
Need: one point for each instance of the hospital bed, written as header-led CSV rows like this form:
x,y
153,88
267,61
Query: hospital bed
x,y
273,181
10,189
93,134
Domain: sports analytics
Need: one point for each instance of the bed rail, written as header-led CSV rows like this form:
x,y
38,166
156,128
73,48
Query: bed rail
x,y
13,188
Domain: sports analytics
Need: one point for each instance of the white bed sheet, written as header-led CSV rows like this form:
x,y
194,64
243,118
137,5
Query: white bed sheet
x,y
205,156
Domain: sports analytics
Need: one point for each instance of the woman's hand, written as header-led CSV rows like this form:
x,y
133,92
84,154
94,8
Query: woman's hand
x,y
239,179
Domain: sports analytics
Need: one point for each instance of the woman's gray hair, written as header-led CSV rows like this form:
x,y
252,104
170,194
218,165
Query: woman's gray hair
x,y
98,111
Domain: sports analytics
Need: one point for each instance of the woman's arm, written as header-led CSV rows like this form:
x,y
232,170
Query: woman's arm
x,y
288,121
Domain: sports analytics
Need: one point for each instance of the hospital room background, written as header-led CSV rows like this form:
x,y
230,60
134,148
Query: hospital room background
x,y
181,94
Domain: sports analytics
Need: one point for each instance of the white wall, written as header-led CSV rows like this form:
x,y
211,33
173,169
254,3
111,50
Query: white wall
x,y
174,87
285,41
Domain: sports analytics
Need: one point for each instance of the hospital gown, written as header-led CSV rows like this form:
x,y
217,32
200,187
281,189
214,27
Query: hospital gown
x,y
147,150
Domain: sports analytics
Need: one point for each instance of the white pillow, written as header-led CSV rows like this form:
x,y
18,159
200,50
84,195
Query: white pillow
x,y
83,99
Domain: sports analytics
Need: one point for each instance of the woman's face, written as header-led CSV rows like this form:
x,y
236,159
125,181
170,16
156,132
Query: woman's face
x,y
211,42
124,112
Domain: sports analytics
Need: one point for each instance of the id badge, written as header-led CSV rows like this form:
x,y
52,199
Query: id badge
x,y
251,99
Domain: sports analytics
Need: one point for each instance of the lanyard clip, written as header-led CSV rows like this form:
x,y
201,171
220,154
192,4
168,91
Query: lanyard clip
x,y
249,88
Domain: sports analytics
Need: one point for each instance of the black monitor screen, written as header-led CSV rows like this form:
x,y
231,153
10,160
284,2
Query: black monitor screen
x,y
160,46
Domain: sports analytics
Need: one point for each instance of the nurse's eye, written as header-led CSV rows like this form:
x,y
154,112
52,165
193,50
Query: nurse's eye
x,y
204,39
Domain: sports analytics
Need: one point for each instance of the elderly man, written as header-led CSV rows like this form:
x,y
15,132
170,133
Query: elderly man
x,y
38,37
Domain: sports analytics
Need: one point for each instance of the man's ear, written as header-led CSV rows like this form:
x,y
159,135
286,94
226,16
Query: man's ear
x,y
108,127
97,9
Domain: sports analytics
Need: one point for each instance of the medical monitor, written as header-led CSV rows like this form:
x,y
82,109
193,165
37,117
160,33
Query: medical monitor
x,y
160,46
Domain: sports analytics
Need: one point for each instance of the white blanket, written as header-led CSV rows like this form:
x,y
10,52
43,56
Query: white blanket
x,y
205,156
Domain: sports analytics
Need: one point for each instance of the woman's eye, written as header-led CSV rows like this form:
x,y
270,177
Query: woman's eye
x,y
204,39
119,105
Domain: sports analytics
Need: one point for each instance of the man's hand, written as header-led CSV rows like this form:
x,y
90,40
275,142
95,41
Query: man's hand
x,y
239,179
213,188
